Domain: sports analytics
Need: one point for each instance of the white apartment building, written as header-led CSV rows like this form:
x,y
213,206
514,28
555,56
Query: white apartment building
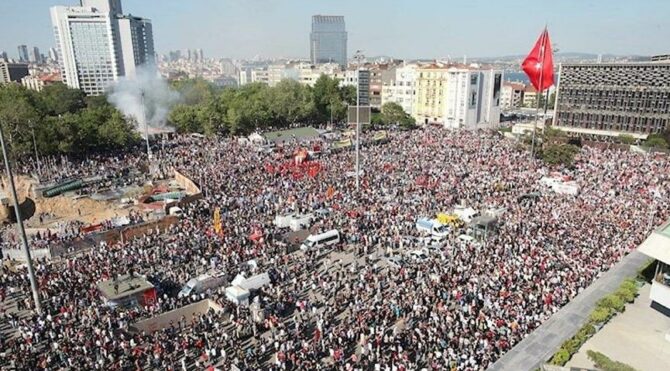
x,y
458,96
260,75
309,73
402,89
96,44
512,95
278,72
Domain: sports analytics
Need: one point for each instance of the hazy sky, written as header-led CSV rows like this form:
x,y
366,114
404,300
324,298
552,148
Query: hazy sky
x,y
403,29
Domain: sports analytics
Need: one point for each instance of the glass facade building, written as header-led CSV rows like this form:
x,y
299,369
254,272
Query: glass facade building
x,y
328,40
97,45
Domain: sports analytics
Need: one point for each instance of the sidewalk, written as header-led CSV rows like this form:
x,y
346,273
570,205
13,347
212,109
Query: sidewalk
x,y
541,344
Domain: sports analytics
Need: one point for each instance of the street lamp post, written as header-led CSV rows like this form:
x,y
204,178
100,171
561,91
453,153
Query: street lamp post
x,y
358,57
146,127
19,224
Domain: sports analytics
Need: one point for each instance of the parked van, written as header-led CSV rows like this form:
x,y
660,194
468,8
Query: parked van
x,y
319,240
252,283
432,227
299,222
203,283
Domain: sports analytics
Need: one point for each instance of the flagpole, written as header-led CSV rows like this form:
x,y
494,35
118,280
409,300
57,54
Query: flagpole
x,y
539,92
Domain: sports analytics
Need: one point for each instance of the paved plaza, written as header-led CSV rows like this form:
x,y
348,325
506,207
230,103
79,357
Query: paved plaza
x,y
635,337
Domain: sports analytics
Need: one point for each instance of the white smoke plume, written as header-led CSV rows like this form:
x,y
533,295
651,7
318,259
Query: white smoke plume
x,y
126,96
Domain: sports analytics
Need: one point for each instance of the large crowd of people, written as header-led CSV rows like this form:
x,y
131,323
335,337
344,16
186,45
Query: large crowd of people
x,y
461,307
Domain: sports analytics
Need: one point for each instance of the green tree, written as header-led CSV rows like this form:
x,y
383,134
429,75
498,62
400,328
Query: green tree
x,y
195,91
58,99
18,116
394,114
116,132
290,102
185,119
626,139
559,154
656,141
330,99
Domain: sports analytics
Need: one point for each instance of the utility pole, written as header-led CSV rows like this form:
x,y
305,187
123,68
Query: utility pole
x,y
146,127
37,156
19,224
358,56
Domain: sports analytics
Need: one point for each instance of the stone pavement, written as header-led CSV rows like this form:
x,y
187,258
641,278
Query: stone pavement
x,y
536,348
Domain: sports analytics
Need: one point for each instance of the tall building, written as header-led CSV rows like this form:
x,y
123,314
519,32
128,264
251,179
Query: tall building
x,y
328,40
610,99
97,44
23,53
137,43
12,72
53,55
3,56
458,96
35,56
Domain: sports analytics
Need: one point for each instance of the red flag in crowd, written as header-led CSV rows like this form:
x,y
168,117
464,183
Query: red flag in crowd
x,y
539,64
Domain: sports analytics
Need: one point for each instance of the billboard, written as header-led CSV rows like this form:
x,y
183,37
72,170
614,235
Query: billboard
x,y
363,115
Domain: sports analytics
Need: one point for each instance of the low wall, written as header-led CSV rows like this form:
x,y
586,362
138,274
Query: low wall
x,y
162,321
17,254
186,183
130,232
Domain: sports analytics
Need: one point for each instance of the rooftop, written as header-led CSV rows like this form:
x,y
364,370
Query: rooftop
x,y
127,286
657,245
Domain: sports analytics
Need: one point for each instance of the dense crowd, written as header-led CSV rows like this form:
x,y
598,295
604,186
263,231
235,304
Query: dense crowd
x,y
461,308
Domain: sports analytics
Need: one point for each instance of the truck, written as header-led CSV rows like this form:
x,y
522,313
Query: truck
x,y
301,221
202,283
432,227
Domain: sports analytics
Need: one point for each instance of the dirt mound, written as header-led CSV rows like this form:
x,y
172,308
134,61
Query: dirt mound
x,y
57,209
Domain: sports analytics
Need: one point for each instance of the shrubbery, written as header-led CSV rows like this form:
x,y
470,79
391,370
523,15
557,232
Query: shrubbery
x,y
606,364
605,309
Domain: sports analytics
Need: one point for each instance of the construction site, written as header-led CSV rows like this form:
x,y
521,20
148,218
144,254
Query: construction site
x,y
68,216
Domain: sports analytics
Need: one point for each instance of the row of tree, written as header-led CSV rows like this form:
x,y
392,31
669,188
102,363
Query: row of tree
x,y
60,120
208,110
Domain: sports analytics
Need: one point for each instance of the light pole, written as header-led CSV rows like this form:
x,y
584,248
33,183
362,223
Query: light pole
x,y
37,156
146,127
358,57
19,224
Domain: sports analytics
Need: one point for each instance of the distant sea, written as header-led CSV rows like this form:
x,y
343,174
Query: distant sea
x,y
516,76
521,76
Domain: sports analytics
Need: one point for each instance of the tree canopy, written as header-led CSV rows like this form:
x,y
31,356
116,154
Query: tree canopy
x,y
61,120
64,120
242,110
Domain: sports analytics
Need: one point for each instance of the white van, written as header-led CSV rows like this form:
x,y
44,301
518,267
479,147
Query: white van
x,y
203,283
319,240
252,283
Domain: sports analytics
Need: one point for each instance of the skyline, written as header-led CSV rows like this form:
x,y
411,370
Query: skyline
x,y
426,29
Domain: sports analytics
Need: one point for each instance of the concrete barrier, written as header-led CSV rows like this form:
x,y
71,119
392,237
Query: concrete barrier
x,y
190,186
17,254
136,230
162,321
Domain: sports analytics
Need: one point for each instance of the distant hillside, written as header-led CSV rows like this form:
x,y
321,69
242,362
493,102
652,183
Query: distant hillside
x,y
567,56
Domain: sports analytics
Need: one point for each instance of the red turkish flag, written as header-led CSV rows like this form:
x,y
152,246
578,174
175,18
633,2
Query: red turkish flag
x,y
539,64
